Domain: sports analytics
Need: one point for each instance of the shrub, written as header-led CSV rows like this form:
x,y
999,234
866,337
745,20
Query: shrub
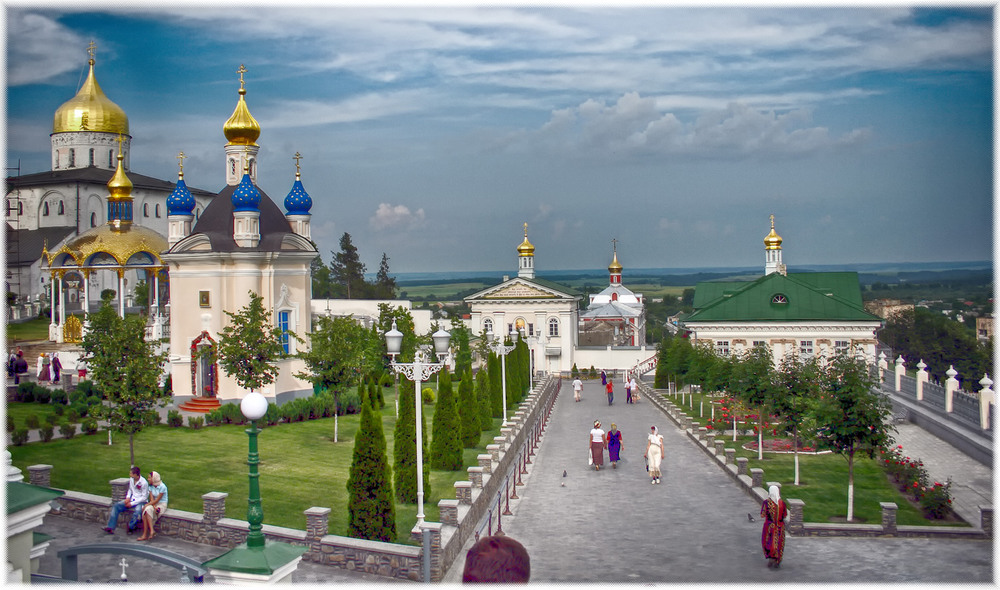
x,y
42,394
31,421
174,419
272,416
59,396
327,405
386,380
89,426
214,417
10,423
52,419
19,436
26,392
350,403
46,432
428,395
93,400
574,372
936,499
86,388
58,410
67,429
72,415
195,422
231,414
153,417
77,396
81,409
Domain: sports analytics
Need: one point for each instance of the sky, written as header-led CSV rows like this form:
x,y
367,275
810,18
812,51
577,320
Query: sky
x,y
433,133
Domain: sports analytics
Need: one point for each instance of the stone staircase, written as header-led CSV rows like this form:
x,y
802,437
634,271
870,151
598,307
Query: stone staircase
x,y
200,405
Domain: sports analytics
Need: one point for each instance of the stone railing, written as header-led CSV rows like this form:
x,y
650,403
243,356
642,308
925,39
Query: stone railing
x,y
459,517
944,398
752,481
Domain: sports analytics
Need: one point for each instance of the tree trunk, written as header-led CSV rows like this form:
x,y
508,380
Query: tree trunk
x,y
336,426
131,448
760,433
795,442
850,486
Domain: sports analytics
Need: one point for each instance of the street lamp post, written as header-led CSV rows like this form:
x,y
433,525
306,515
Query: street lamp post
x,y
254,406
418,371
502,351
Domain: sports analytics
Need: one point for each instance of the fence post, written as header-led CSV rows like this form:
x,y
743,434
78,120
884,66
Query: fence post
x,y
921,379
900,370
985,402
949,389
883,366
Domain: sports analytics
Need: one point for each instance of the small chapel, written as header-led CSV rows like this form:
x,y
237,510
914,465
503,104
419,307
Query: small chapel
x,y
616,316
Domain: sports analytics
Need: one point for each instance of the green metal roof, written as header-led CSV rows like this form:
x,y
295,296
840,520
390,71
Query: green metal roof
x,y
21,496
832,296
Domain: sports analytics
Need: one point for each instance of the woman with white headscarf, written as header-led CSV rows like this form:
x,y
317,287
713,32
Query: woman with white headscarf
x,y
654,453
156,506
772,537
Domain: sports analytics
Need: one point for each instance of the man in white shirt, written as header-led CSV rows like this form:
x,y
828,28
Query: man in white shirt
x,y
135,499
577,387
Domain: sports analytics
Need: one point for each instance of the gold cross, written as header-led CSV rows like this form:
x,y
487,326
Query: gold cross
x,y
120,139
525,230
297,157
772,221
241,71
180,158
614,244
92,49
246,152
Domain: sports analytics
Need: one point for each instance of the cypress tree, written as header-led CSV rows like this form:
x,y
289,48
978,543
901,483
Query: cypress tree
x,y
446,442
371,510
483,397
513,377
468,410
496,385
405,448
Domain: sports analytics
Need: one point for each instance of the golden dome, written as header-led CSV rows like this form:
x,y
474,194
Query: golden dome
x,y
119,187
772,241
525,249
122,243
615,267
90,110
241,128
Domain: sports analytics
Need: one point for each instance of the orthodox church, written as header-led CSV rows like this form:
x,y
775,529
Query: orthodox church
x,y
616,316
809,313
90,147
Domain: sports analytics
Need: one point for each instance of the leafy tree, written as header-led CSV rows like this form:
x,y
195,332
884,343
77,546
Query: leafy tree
x,y
347,269
468,411
250,346
142,291
940,342
404,453
799,382
854,414
385,285
371,510
342,351
446,441
483,392
124,364
460,341
752,382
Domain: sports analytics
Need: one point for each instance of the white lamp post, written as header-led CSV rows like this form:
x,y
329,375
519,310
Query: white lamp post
x,y
502,351
417,371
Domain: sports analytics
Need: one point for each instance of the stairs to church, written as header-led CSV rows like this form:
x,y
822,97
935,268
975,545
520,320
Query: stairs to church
x,y
200,405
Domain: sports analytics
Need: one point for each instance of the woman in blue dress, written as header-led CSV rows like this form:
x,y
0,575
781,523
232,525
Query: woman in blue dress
x,y
614,445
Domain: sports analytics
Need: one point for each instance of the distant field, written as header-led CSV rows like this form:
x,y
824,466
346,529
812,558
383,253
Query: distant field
x,y
443,291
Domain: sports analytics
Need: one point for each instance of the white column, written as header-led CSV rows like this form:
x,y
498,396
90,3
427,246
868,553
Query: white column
x,y
949,389
900,370
922,377
62,311
86,294
986,397
156,289
121,293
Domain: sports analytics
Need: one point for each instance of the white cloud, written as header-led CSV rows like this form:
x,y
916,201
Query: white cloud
x,y
396,217
39,47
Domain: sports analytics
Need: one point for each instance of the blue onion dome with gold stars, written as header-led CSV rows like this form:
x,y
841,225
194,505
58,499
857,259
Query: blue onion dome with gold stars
x,y
180,202
298,201
246,197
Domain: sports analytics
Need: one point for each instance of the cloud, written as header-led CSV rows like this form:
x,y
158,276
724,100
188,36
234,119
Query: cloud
x,y
396,217
669,225
39,48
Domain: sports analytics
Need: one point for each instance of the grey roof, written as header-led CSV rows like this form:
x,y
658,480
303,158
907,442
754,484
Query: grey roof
x,y
611,310
24,247
94,175
216,223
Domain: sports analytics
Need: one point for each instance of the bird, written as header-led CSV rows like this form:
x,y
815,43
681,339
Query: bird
x,y
749,517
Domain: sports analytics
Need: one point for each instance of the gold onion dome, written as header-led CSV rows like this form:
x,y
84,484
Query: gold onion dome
x,y
615,267
241,128
772,241
120,187
525,249
90,110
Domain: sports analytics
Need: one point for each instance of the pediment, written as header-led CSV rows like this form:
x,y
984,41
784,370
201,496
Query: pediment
x,y
518,289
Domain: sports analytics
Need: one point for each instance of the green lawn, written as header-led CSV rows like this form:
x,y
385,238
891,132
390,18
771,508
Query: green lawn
x,y
36,329
300,467
822,479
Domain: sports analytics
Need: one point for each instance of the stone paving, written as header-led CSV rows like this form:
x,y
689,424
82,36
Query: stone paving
x,y
614,526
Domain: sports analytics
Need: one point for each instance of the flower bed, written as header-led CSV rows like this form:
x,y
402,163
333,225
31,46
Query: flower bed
x,y
913,482
783,445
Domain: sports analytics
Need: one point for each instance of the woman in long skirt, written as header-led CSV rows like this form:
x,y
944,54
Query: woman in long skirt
x,y
597,443
654,453
614,445
772,537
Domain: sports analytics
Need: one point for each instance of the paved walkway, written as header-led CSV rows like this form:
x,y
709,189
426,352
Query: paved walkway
x,y
614,526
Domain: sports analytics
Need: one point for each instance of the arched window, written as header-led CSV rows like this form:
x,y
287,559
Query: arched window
x,y
145,209
197,213
93,219
62,209
72,157
232,167
157,209
487,325
91,156
111,158
553,327
283,320
779,298
45,209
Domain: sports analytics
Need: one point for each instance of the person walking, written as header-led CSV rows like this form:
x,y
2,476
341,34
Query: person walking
x,y
156,506
772,536
633,389
577,388
615,445
610,387
597,443
654,454
56,367
628,390
20,367
604,377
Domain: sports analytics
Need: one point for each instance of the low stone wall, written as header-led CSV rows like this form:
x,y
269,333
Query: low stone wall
x,y
473,500
753,484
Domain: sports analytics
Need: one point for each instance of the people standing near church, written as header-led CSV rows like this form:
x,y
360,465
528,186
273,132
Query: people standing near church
x,y
135,499
610,387
597,442
20,367
577,388
10,366
615,445
654,453
156,506
628,390
56,367
772,537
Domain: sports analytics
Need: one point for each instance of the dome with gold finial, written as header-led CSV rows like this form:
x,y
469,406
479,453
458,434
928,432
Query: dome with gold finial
x,y
525,249
241,128
615,267
772,241
90,109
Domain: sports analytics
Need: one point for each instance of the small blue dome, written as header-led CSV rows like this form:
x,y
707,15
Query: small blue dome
x,y
180,202
298,201
246,197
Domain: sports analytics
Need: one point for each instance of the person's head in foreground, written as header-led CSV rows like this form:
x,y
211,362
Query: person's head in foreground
x,y
497,559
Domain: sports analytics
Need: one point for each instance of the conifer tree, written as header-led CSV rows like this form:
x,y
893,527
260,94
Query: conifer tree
x,y
514,376
446,441
496,385
468,410
483,392
371,510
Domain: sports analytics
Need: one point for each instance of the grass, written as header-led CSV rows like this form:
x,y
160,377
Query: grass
x,y
300,467
36,329
20,411
822,479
